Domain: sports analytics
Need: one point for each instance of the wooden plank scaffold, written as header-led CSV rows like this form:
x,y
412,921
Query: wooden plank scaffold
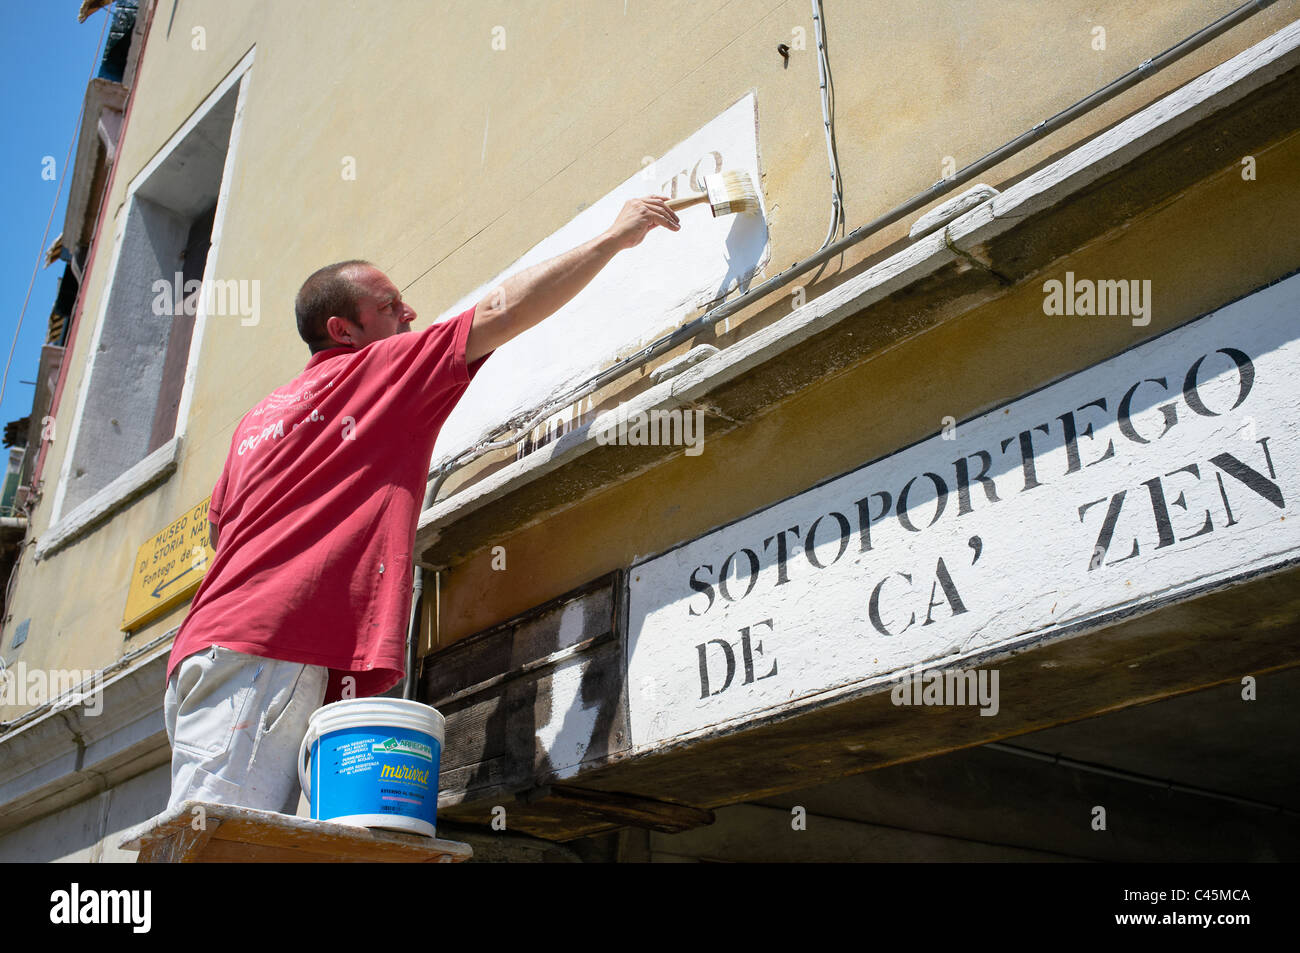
x,y
204,832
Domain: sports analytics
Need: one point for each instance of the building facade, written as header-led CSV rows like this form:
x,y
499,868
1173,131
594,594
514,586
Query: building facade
x,y
969,534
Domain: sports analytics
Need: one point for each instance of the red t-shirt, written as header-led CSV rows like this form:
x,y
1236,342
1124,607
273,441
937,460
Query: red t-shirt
x,y
317,507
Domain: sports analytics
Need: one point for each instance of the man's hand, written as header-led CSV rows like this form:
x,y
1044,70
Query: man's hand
x,y
638,217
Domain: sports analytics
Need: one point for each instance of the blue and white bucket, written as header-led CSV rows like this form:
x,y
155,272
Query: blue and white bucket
x,y
373,762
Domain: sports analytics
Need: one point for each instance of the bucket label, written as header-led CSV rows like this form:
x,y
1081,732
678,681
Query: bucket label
x,y
375,771
415,748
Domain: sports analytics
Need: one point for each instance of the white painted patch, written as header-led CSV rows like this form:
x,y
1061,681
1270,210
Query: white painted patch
x,y
642,294
1193,484
567,733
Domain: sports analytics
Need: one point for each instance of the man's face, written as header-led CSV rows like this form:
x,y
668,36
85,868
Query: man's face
x,y
381,311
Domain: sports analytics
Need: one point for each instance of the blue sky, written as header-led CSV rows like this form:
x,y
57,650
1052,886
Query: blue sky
x,y
48,58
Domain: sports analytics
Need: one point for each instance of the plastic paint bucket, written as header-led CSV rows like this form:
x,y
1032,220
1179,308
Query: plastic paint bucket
x,y
373,762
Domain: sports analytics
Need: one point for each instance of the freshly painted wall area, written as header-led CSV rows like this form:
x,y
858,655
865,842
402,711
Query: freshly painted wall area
x,y
636,298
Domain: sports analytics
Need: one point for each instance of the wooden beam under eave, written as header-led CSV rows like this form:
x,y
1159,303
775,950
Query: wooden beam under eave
x,y
631,810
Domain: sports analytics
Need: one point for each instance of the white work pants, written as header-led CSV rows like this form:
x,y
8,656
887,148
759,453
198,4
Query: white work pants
x,y
235,722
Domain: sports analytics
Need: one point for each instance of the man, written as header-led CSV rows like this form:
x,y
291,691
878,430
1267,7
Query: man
x,y
313,517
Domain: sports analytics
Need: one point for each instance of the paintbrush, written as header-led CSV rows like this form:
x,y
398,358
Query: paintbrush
x,y
726,192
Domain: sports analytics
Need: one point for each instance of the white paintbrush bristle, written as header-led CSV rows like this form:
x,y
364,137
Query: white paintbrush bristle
x,y
731,193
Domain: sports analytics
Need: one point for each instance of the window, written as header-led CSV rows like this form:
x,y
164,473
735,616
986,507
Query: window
x,y
125,433
138,366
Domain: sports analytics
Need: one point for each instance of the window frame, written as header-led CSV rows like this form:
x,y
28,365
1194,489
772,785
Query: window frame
x,y
155,468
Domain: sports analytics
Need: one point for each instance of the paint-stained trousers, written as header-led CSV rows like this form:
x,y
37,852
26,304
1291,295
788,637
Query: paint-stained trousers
x,y
235,723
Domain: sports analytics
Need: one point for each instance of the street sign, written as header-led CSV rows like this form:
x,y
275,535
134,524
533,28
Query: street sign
x,y
168,568
1168,470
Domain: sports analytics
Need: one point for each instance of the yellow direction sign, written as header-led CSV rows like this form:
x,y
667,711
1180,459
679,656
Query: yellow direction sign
x,y
168,568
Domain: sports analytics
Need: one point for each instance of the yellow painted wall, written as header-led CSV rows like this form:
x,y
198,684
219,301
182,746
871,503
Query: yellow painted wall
x,y
467,156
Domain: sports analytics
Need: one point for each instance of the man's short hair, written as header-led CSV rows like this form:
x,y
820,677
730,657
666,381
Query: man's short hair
x,y
328,292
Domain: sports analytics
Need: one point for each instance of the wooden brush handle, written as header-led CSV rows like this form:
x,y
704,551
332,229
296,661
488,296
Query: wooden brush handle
x,y
678,204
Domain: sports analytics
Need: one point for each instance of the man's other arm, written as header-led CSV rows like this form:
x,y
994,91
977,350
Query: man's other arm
x,y
535,293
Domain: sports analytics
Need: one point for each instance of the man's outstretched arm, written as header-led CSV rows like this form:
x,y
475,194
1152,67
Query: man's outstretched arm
x,y
535,293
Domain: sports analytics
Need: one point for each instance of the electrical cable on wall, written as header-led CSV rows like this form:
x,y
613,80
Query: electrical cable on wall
x,y
827,85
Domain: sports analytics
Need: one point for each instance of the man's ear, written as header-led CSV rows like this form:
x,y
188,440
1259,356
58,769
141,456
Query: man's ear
x,y
339,329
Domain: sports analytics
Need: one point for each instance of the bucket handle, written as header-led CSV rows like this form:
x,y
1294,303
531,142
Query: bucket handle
x,y
304,777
